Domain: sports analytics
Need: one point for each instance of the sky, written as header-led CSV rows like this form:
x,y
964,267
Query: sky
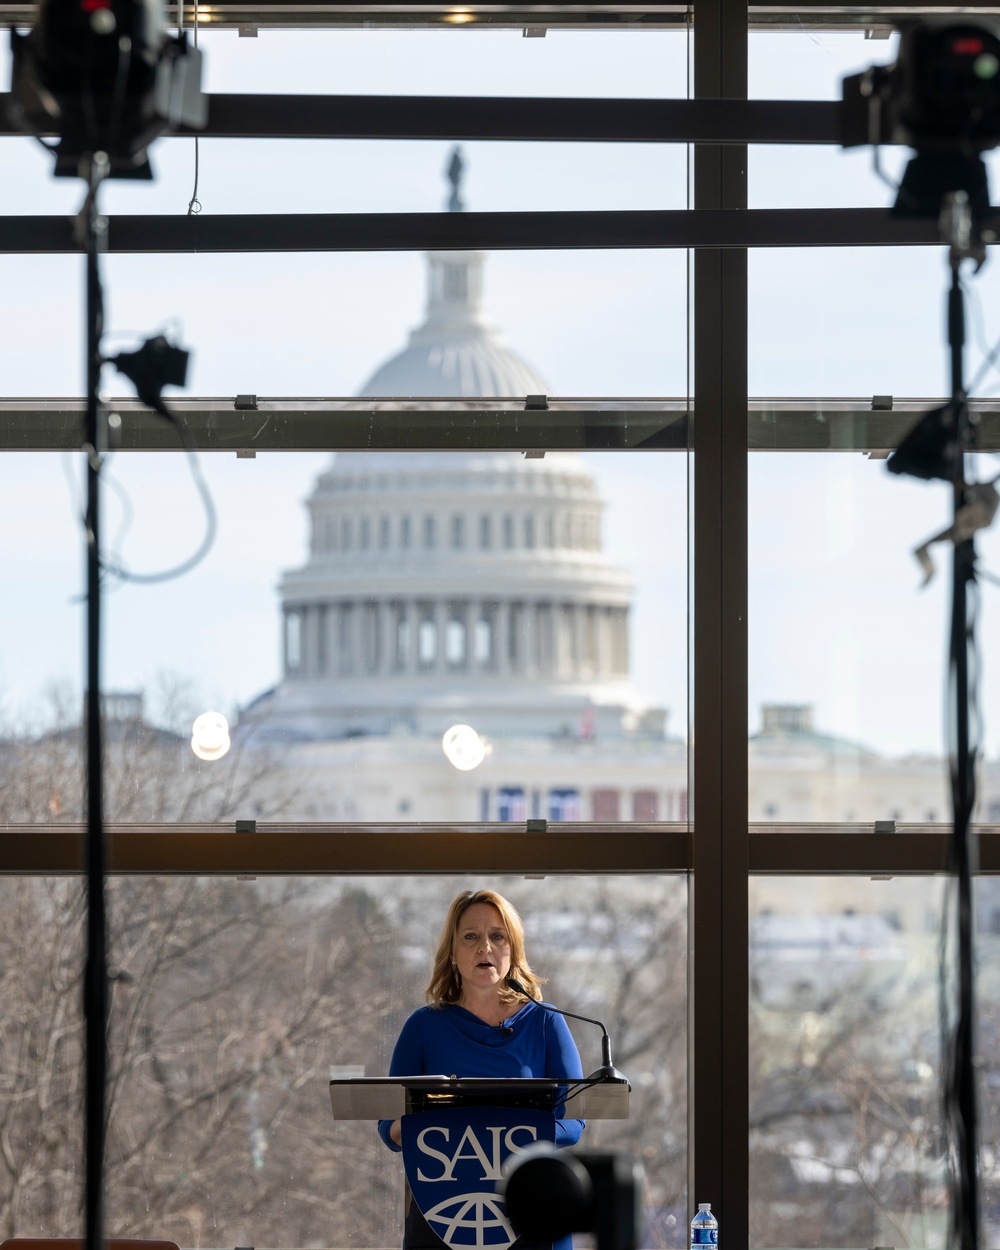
x,y
837,618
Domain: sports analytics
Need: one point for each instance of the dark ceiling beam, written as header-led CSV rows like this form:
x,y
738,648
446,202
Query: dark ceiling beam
x,y
524,120
401,232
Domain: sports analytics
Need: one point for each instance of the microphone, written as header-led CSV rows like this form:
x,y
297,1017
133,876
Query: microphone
x,y
607,1073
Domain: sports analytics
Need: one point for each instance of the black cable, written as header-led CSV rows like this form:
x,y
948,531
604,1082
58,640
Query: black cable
x,y
117,569
963,738
96,974
113,565
117,114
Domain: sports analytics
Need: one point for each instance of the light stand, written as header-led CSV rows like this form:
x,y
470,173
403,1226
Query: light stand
x,y
106,78
957,220
937,448
941,98
93,228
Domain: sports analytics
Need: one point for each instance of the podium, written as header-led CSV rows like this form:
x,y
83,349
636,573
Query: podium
x,y
457,1133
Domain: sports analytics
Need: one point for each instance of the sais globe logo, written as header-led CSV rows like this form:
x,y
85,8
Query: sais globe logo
x,y
453,1160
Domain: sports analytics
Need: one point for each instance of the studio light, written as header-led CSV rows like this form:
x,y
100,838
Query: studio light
x,y
210,736
104,76
941,98
463,747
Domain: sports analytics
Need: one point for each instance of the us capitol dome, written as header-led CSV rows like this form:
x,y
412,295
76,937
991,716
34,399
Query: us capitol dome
x,y
454,587
454,352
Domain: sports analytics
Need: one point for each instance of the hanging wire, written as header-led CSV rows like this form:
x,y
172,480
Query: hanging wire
x,y
194,204
990,354
115,567
112,564
78,509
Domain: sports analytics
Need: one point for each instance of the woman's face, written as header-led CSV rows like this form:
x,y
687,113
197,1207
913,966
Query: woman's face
x,y
481,948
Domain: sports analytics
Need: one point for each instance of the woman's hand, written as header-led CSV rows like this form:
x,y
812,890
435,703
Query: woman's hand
x,y
395,1133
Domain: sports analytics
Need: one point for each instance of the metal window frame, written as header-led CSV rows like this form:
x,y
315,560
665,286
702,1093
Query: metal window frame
x,y
250,18
277,848
720,851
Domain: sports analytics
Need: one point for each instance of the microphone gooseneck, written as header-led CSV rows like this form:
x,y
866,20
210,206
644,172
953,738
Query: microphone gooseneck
x,y
607,1073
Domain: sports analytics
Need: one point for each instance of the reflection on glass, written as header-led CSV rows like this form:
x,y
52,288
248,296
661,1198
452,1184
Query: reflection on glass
x,y
859,736
845,1138
238,1001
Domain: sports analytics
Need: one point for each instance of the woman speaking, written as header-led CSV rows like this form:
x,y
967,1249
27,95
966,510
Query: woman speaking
x,y
476,1025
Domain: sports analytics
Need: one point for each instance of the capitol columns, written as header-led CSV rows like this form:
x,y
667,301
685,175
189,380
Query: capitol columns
x,y
386,640
577,624
286,626
501,660
411,609
471,610
530,656
440,635
309,654
331,618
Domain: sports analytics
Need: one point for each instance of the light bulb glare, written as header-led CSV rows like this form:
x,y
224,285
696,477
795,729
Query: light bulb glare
x,y
210,736
463,747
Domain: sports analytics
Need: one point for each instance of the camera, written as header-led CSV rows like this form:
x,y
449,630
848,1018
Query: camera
x,y
550,1193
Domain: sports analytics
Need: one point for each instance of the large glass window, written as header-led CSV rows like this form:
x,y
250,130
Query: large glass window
x,y
554,657
859,737
374,622
234,1004
845,1137
575,323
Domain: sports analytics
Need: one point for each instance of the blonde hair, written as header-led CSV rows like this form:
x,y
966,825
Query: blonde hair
x,y
446,983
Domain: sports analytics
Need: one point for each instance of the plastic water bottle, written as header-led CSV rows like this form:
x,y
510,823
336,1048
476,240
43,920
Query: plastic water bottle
x,y
704,1228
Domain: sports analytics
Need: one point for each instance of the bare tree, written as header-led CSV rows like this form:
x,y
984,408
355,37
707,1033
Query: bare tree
x,y
845,1101
231,1000
150,772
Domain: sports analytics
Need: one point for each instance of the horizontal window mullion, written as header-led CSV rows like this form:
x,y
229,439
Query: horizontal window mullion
x,y
290,849
832,850
247,233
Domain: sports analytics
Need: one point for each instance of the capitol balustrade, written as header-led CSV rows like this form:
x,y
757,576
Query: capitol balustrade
x,y
420,636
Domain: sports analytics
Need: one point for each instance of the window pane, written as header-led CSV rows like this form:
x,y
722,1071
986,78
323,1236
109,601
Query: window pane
x,y
854,321
844,1060
323,176
809,64
237,1002
555,656
801,176
858,737
587,324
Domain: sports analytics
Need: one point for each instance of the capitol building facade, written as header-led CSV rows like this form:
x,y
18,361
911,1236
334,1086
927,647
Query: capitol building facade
x,y
464,588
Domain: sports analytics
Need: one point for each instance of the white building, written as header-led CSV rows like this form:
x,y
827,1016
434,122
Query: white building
x,y
465,588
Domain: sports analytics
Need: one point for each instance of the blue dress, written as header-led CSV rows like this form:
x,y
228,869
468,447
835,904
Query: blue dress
x,y
453,1042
